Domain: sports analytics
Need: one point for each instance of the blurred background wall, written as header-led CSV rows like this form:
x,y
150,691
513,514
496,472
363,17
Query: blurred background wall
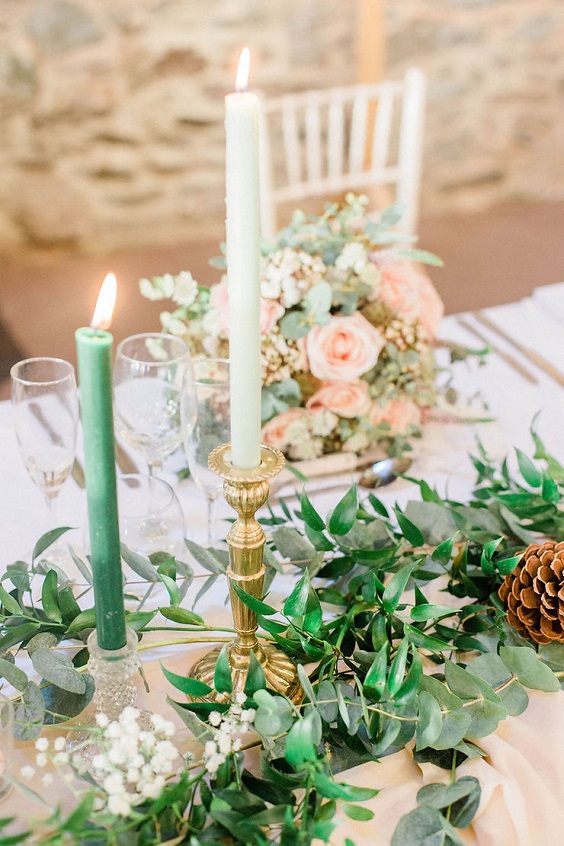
x,y
111,111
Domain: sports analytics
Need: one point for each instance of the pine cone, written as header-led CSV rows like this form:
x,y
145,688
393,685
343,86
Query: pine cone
x,y
534,593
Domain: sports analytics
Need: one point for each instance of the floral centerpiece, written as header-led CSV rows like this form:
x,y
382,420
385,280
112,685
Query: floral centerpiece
x,y
348,323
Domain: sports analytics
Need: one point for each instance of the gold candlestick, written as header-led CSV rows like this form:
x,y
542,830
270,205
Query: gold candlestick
x,y
246,491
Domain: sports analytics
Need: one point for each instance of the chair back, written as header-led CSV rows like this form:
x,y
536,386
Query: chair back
x,y
333,140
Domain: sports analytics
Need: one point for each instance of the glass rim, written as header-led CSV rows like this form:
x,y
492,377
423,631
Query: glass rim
x,y
155,362
156,480
201,381
44,358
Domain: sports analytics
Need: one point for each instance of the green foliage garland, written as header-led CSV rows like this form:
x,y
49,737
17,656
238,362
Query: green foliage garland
x,y
363,617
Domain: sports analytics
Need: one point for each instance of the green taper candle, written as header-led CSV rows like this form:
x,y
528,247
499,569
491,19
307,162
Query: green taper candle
x,y
94,351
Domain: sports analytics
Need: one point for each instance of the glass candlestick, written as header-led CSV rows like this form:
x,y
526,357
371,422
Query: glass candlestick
x,y
246,491
113,671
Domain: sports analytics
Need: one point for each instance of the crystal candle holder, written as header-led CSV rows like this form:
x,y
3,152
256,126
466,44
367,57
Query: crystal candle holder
x,y
113,671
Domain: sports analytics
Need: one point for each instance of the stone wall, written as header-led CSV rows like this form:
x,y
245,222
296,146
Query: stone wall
x,y
111,111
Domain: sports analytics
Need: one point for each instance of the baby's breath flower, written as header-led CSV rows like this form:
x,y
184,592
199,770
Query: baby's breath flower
x,y
42,744
27,772
47,779
41,759
214,718
59,743
185,289
102,720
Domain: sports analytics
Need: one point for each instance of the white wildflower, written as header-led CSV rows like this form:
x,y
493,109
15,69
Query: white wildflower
x,y
41,759
172,324
224,743
27,772
100,762
150,291
353,257
248,715
61,758
214,718
118,804
113,783
47,779
323,423
102,720
210,748
42,744
214,763
59,743
166,284
185,289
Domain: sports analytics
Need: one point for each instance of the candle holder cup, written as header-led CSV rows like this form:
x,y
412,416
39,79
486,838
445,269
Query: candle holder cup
x,y
246,491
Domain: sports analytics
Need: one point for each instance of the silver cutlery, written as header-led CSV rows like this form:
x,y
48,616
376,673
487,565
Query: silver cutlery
x,y
532,355
506,357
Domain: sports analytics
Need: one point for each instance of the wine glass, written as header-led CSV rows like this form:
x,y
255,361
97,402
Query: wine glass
x,y
45,414
150,515
149,373
206,425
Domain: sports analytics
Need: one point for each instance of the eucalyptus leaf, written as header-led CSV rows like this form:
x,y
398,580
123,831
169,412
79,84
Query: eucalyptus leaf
x,y
209,559
28,713
528,668
62,704
291,544
13,674
57,668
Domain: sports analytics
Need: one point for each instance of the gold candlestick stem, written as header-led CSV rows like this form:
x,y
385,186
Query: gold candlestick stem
x,y
246,491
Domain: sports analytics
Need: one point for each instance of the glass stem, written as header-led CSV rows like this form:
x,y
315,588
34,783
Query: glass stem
x,y
212,521
155,468
52,503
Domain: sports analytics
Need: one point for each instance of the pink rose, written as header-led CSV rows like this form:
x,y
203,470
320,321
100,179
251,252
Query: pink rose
x,y
400,414
344,349
346,399
270,310
432,307
412,295
275,432
270,313
219,299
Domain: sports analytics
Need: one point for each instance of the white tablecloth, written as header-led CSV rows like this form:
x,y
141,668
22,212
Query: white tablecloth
x,y
521,777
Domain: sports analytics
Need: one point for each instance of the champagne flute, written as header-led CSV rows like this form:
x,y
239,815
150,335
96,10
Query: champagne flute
x,y
45,414
148,377
206,425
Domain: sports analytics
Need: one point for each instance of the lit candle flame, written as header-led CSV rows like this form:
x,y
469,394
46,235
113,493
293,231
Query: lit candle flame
x,y
105,303
242,78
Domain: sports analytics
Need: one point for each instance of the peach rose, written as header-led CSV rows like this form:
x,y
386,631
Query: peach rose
x,y
270,310
275,432
346,399
400,414
270,313
412,295
344,349
432,307
219,299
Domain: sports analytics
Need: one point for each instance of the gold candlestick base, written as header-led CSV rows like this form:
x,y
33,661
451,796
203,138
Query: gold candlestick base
x,y
246,491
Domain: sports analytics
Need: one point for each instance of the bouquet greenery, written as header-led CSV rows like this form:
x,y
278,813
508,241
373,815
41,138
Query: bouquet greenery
x,y
348,325
387,664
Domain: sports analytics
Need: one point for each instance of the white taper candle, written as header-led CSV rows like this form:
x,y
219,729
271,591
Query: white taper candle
x,y
243,267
